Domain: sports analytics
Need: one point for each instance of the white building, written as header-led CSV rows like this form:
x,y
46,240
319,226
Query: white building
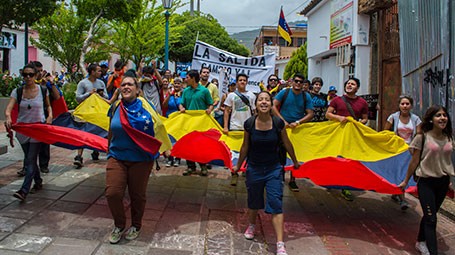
x,y
12,51
338,46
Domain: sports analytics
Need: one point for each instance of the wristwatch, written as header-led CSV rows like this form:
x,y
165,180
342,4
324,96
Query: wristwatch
x,y
298,122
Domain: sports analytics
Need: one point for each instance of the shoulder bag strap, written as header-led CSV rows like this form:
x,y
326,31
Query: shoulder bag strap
x,y
349,106
416,178
244,100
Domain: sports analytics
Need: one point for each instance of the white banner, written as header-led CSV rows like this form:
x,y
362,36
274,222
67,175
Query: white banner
x,y
258,68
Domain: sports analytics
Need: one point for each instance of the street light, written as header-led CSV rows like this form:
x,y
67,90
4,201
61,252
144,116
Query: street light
x,y
167,4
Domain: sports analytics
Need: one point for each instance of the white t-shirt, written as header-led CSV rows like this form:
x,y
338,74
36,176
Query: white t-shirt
x,y
405,131
240,112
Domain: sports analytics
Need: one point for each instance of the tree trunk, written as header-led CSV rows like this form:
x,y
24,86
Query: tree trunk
x,y
88,40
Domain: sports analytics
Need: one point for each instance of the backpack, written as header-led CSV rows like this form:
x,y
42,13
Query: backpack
x,y
20,91
286,93
249,124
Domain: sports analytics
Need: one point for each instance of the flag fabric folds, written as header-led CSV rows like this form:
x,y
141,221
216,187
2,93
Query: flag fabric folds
x,y
143,139
93,110
209,148
283,28
62,136
337,155
88,128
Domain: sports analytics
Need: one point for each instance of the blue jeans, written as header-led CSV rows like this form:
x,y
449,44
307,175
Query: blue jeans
x,y
32,172
270,179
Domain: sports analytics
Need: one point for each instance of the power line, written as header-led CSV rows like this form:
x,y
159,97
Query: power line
x,y
298,7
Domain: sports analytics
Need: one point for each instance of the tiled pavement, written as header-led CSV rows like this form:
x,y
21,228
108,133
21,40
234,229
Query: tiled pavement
x,y
196,215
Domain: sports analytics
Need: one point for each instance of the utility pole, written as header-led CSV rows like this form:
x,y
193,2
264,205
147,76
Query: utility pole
x,y
191,7
198,6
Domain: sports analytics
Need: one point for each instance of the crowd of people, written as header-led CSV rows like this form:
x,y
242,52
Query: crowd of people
x,y
263,116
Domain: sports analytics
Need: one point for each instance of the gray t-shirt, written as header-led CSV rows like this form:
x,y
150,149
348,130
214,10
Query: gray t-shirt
x,y
31,110
85,86
152,94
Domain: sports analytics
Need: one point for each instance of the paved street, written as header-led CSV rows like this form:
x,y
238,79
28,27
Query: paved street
x,y
196,215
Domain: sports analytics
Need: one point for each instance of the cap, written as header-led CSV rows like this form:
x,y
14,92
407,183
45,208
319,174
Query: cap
x,y
332,88
183,74
104,64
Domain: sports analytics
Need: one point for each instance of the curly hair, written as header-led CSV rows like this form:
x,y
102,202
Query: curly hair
x,y
427,123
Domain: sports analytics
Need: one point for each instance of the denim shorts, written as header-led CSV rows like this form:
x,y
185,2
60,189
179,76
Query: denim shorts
x,y
269,178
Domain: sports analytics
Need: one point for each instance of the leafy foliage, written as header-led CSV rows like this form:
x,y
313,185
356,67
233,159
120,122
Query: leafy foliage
x,y
210,31
69,93
298,63
62,35
8,83
142,38
14,13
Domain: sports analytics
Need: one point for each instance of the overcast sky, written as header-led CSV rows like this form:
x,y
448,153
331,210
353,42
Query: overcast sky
x,y
243,15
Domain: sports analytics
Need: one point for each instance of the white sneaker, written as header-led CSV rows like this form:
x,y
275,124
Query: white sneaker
x,y
422,248
249,232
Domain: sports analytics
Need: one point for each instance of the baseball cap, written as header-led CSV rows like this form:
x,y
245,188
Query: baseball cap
x,y
332,88
104,64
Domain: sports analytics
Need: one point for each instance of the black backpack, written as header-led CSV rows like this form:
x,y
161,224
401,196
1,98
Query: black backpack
x,y
20,91
249,124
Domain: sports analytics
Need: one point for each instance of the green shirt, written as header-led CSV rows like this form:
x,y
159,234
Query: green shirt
x,y
196,99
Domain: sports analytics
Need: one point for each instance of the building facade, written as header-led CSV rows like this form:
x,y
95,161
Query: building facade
x,y
338,43
12,52
269,41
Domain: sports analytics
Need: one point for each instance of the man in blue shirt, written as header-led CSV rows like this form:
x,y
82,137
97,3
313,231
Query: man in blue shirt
x,y
294,107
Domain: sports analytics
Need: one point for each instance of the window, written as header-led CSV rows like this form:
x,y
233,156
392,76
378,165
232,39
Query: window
x,y
300,41
267,40
282,42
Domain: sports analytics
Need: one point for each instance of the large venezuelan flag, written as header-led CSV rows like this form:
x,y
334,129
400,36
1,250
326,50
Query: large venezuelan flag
x,y
88,127
338,155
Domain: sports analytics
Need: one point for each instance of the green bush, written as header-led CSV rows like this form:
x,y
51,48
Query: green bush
x,y
69,92
8,83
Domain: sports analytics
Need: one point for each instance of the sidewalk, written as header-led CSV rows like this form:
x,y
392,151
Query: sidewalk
x,y
196,215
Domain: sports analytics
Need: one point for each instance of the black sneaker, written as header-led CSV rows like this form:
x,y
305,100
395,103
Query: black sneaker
x,y
95,155
78,162
204,171
293,186
20,195
36,187
234,179
44,170
21,173
189,171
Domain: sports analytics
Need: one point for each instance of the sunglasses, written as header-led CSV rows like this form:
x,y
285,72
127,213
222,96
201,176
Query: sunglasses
x,y
273,80
299,81
25,75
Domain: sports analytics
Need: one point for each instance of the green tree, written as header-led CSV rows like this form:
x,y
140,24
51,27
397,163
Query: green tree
x,y
62,36
143,37
209,30
14,13
297,64
98,10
